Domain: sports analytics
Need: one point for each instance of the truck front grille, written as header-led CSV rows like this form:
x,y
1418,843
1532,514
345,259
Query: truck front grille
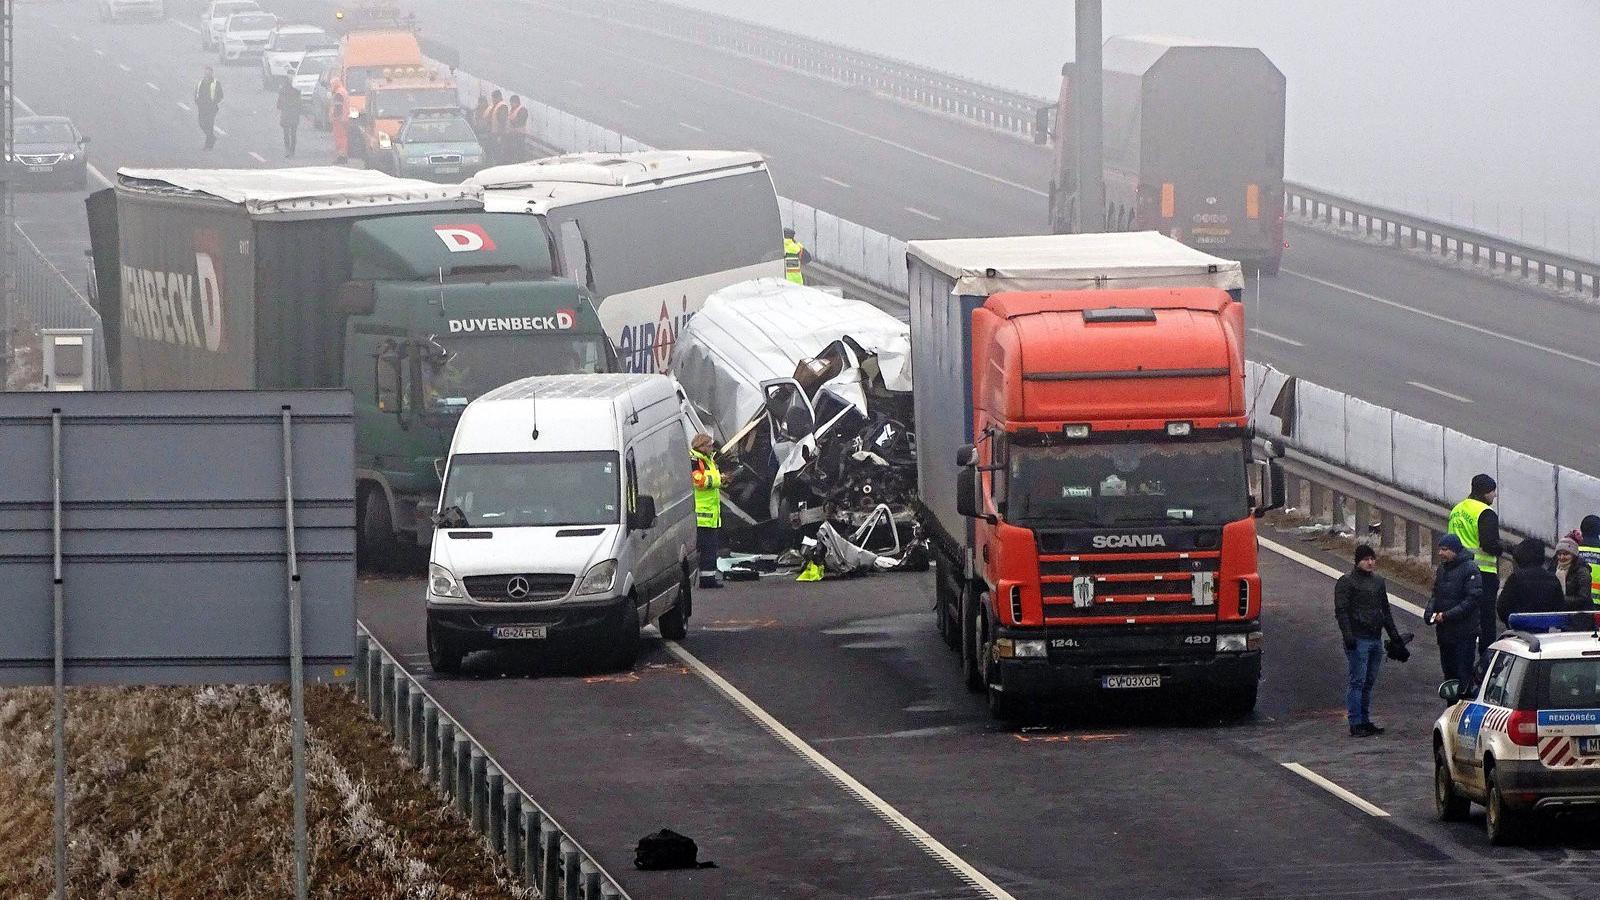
x,y
499,588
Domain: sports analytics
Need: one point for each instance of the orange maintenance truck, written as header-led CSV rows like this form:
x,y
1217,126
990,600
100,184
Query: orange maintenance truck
x,y
390,100
1090,505
363,58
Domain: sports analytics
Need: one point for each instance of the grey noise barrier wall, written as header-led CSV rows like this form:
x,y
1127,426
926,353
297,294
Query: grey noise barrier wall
x,y
174,546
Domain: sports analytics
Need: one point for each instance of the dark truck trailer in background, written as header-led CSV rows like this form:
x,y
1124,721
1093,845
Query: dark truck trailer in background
x,y
405,292
1193,147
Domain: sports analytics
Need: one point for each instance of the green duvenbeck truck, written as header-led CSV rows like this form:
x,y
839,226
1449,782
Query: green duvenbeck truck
x,y
403,291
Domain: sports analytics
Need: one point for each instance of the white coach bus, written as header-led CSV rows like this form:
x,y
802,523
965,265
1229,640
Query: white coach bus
x,y
651,233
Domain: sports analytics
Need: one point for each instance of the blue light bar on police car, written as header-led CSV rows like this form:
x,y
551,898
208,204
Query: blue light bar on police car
x,y
1548,622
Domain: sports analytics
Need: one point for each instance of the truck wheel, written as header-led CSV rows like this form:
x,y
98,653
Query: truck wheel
x,y
627,649
944,601
1504,826
971,634
380,549
1449,805
443,655
674,622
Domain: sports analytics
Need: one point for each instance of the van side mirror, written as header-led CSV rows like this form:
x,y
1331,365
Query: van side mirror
x,y
643,515
1450,691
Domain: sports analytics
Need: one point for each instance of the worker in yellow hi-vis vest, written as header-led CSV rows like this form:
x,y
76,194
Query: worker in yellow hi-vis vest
x,y
708,481
795,256
1478,526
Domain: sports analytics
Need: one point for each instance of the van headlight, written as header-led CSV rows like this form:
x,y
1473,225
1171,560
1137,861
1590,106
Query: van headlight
x,y
599,578
442,583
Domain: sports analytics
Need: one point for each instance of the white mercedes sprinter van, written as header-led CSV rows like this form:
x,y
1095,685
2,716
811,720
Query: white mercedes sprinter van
x,y
566,514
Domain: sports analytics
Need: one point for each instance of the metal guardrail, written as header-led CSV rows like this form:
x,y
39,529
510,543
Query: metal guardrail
x,y
1404,230
45,298
534,846
1016,113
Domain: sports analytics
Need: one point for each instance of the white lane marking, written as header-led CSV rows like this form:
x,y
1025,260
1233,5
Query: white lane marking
x,y
257,157
1325,569
187,27
1441,392
185,107
94,173
99,52
152,86
691,127
125,67
796,111
834,181
220,132
1348,797
1276,337
75,39
629,103
575,83
917,212
888,813
1446,319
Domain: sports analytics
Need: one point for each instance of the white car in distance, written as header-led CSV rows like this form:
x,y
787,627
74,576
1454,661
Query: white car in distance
x,y
286,46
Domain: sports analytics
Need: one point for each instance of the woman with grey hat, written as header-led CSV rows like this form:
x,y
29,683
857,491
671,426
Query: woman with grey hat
x,y
1573,571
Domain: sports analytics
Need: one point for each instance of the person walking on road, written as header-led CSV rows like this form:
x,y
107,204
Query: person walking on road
x,y
1530,587
708,480
1574,573
1453,609
1478,526
207,100
290,105
1361,606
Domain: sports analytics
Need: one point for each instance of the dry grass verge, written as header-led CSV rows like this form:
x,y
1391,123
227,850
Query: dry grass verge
x,y
184,793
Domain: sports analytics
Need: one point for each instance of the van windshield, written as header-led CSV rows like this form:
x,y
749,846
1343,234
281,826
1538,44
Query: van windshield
x,y
518,490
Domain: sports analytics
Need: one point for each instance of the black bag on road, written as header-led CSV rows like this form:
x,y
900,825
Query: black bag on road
x,y
667,849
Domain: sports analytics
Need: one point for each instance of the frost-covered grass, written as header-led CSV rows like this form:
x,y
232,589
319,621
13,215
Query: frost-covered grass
x,y
184,793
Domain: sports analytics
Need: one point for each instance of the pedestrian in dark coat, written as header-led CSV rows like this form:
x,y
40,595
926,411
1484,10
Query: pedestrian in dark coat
x,y
290,104
1361,606
1530,587
207,100
1575,574
1453,609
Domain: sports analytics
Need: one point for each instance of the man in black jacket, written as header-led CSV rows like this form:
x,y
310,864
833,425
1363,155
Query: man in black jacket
x,y
207,100
1531,588
1361,605
1453,609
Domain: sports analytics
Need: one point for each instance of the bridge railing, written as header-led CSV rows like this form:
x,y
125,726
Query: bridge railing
x,y
45,298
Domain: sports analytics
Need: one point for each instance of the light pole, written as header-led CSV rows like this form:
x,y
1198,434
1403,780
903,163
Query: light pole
x,y
1088,117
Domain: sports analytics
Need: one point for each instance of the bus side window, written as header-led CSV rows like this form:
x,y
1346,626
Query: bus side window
x,y
575,253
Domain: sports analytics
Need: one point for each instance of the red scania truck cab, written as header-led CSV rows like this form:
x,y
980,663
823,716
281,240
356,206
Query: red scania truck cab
x,y
1084,454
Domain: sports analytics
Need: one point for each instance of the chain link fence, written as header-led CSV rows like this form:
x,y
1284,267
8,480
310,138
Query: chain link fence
x,y
43,297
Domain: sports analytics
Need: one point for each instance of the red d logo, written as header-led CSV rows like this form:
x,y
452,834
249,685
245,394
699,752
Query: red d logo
x,y
464,238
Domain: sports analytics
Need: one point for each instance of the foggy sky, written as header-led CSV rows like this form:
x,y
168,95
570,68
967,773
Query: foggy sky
x,y
1436,106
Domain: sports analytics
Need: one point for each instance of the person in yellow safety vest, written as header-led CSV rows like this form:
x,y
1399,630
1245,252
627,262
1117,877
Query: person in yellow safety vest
x,y
1589,550
1478,527
708,481
499,116
795,255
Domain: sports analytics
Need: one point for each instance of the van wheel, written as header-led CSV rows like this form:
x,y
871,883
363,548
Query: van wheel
x,y
971,629
1447,804
674,623
627,649
380,551
1504,826
443,655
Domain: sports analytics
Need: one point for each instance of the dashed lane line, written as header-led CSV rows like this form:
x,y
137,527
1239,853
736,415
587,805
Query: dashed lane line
x,y
929,844
695,128
629,103
834,181
257,157
1488,332
125,67
1440,391
926,215
1277,337
153,86
187,27
1347,796
185,107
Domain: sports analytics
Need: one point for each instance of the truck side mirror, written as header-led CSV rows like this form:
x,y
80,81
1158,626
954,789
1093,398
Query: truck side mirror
x,y
1270,476
643,514
966,455
967,492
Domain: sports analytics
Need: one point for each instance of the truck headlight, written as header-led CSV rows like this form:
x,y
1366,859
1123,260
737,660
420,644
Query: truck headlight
x,y
1006,648
599,578
442,583
1238,643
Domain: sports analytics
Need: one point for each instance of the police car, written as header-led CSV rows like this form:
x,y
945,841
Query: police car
x,y
1527,740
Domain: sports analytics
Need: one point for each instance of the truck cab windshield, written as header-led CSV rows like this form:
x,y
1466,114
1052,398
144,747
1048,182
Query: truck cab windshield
x,y
473,366
512,490
1112,484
